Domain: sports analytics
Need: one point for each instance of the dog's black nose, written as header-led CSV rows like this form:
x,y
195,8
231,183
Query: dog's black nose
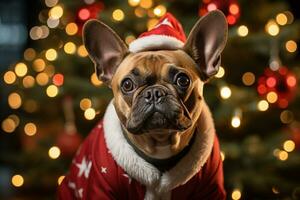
x,y
154,94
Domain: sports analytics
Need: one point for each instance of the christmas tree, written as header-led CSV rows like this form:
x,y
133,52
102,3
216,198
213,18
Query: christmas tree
x,y
53,98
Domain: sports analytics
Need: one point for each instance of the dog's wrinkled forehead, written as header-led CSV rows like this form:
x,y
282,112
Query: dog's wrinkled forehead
x,y
155,63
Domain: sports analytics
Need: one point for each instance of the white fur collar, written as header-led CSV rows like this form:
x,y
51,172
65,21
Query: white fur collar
x,y
159,185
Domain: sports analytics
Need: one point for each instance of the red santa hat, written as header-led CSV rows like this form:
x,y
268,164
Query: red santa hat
x,y
167,34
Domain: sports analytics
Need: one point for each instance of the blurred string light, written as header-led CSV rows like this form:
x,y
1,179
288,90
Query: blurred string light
x,y
60,179
291,46
286,117
242,31
159,10
21,69
29,54
283,155
58,79
51,54
8,125
272,97
52,90
290,17
118,15
139,12
90,113
84,14
152,23
95,81
56,12
71,28
39,65
54,152
15,118
129,39
236,194
28,81
281,19
272,28
225,92
52,23
70,48
14,100
289,145
236,118
49,70
221,72
275,190
146,4
85,103
81,51
30,105
133,2
30,129
17,180
248,78
9,77
42,78
262,105
51,3
36,33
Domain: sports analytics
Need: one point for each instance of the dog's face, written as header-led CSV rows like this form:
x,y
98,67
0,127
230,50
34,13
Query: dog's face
x,y
158,94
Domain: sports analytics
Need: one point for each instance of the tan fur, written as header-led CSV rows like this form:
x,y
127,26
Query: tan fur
x,y
156,63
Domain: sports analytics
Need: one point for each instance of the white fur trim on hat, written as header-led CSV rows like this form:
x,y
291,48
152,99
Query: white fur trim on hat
x,y
155,42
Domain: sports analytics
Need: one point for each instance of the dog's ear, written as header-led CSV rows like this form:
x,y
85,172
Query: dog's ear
x,y
105,48
206,41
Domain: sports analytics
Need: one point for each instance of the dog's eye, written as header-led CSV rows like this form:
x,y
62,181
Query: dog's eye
x,y
127,85
182,80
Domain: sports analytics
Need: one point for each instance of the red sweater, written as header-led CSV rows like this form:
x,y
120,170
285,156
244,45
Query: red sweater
x,y
94,174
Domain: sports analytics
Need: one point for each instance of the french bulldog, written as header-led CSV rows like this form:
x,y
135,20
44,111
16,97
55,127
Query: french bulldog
x,y
158,131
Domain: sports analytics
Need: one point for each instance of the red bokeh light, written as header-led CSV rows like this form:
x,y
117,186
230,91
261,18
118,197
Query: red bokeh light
x,y
58,79
234,9
291,81
271,82
231,19
84,14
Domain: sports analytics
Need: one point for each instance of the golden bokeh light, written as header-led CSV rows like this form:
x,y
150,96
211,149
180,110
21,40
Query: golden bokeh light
x,y
52,23
146,4
223,156
272,28
90,113
70,48
225,92
39,65
29,54
133,2
60,179
71,28
14,100
236,194
54,152
95,81
21,69
289,145
30,105
220,73
291,46
50,70
272,97
160,10
281,19
17,180
248,78
82,52
8,125
243,31
52,90
286,117
36,33
51,3
139,12
152,23
262,105
129,39
9,77
235,122
42,78
118,15
15,118
51,54
283,155
56,12
30,129
28,81
85,103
